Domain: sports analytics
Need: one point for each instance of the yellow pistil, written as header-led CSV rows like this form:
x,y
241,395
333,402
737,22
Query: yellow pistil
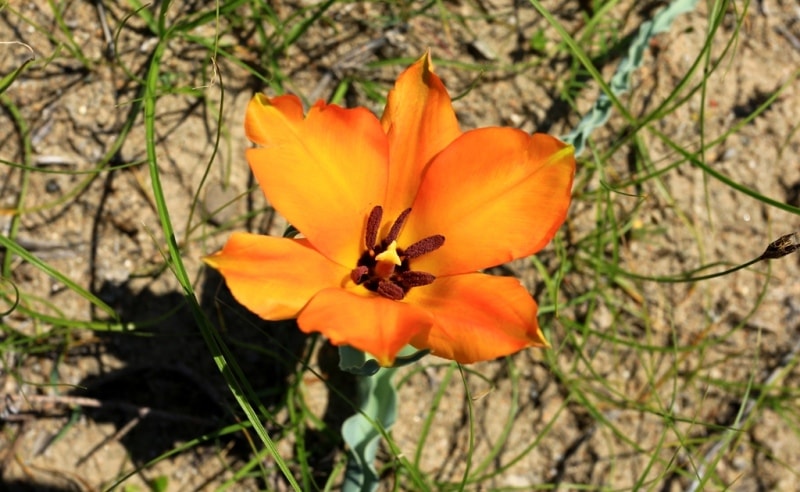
x,y
387,260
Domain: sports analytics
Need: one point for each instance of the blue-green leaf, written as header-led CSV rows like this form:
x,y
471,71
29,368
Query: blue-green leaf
x,y
620,82
356,362
361,433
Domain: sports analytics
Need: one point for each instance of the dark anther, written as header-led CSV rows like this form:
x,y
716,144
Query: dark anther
x,y
396,227
373,224
415,279
359,274
390,290
384,276
424,246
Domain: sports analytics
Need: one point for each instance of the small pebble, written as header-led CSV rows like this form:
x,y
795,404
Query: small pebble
x,y
52,186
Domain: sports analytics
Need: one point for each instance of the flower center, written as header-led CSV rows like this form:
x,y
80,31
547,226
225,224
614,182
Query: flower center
x,y
383,267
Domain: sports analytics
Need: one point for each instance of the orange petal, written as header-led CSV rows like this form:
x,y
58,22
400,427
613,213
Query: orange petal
x,y
419,121
258,129
478,317
495,194
323,173
370,323
274,277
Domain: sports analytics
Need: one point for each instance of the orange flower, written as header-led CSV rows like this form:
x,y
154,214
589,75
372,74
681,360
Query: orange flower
x,y
398,215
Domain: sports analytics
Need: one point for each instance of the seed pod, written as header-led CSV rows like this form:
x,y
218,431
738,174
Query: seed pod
x,y
784,245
